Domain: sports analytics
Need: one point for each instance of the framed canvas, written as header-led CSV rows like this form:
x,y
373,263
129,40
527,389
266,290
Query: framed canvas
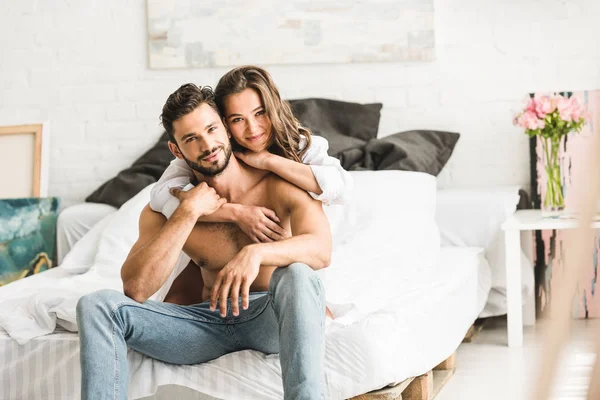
x,y
23,161
211,33
27,236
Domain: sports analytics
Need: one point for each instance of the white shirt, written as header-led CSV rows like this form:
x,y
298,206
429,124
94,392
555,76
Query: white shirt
x,y
335,182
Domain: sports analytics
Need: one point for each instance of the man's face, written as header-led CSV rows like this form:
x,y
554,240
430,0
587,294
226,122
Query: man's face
x,y
202,141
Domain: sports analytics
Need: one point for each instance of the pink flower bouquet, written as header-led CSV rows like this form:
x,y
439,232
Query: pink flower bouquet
x,y
552,118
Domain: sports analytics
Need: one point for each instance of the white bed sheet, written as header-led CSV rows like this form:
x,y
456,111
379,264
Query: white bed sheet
x,y
380,348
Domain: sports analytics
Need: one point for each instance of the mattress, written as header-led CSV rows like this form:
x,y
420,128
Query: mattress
x,y
425,324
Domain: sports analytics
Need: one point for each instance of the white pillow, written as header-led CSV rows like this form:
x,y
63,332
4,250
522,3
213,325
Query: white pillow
x,y
120,235
472,217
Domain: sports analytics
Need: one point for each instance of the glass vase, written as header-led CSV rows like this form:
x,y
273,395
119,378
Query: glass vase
x,y
553,201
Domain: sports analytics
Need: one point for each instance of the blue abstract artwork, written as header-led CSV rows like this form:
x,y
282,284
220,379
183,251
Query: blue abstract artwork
x,y
27,236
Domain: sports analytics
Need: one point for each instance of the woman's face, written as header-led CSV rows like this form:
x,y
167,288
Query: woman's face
x,y
247,120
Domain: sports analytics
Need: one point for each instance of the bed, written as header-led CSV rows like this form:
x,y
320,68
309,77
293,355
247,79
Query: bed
x,y
402,302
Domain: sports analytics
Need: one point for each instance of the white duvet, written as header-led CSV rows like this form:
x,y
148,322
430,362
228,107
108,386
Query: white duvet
x,y
384,272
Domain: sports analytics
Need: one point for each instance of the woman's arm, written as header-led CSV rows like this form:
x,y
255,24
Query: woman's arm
x,y
335,182
294,172
261,224
321,175
178,174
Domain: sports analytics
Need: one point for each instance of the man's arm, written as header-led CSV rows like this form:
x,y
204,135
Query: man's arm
x,y
153,257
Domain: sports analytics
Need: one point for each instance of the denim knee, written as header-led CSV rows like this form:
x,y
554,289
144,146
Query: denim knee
x,y
296,277
100,301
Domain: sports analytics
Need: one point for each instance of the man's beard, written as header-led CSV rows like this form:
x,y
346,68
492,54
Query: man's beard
x,y
214,169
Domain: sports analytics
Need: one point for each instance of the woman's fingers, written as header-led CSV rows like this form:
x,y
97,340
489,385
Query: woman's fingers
x,y
276,230
255,239
271,214
272,230
264,238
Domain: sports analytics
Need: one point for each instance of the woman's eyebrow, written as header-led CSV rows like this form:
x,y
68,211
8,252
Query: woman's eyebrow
x,y
240,115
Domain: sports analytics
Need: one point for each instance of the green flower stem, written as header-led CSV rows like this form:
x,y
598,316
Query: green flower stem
x,y
554,198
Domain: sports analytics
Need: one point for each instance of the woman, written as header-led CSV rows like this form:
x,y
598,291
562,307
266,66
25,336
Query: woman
x,y
265,135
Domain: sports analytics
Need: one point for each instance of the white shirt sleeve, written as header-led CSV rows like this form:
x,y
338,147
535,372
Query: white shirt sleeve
x,y
335,182
177,174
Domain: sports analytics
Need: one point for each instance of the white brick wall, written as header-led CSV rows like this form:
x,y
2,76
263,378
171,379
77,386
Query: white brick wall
x,y
82,65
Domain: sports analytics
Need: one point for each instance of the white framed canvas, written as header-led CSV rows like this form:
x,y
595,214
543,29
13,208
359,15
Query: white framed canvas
x,y
211,33
23,161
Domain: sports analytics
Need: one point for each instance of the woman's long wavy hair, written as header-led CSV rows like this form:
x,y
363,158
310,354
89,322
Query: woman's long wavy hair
x,y
286,130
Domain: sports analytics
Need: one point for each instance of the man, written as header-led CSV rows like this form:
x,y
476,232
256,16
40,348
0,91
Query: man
x,y
282,307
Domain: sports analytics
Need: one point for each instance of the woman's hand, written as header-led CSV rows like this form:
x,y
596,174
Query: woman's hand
x,y
258,160
260,224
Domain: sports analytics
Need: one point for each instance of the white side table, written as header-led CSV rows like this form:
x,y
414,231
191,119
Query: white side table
x,y
524,220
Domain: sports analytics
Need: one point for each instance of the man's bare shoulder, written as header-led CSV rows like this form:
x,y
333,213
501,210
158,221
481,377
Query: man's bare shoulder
x,y
150,218
282,189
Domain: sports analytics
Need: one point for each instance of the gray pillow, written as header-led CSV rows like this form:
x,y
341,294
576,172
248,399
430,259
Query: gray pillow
x,y
418,150
145,170
330,118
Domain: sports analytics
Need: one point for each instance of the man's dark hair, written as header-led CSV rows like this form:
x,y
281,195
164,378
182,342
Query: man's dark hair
x,y
182,102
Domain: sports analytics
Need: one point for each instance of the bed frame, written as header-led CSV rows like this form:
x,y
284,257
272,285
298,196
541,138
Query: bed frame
x,y
424,387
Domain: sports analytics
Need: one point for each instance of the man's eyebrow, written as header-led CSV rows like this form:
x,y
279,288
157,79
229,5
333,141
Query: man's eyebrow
x,y
210,124
187,135
240,115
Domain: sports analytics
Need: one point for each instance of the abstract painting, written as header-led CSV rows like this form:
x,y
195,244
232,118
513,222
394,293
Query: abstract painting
x,y
548,245
27,236
187,34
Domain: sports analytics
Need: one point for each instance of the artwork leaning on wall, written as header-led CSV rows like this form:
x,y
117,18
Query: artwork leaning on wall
x,y
548,244
27,236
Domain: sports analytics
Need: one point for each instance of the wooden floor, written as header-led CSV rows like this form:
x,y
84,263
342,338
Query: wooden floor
x,y
487,369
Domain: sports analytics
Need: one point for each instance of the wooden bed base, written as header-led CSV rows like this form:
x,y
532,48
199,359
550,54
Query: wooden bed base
x,y
424,387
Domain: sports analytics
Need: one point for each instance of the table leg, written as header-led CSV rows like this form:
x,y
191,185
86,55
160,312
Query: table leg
x,y
529,306
529,309
513,287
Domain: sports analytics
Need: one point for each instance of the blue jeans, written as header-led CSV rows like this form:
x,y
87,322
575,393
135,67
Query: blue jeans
x,y
289,319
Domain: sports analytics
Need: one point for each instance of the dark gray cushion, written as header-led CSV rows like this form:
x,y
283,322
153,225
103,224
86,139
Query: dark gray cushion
x,y
418,150
339,144
145,170
325,117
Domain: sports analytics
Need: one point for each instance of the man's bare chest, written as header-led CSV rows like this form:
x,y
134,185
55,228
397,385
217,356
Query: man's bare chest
x,y
212,245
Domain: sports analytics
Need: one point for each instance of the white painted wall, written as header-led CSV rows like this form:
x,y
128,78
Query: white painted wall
x,y
82,65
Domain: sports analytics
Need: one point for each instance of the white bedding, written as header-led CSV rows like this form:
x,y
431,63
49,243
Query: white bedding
x,y
383,347
386,286
472,218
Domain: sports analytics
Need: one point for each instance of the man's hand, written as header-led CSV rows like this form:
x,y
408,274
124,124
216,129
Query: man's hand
x,y
258,160
200,200
236,276
260,224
